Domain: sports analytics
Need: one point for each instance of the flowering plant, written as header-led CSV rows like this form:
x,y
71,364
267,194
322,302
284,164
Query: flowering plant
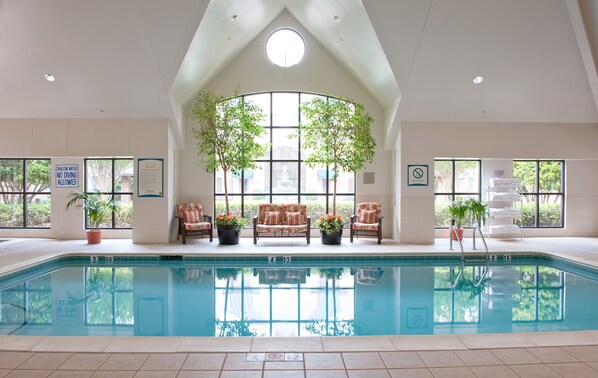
x,y
330,223
232,221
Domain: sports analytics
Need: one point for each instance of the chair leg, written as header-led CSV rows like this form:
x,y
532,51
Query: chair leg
x,y
211,235
254,238
308,235
184,239
351,235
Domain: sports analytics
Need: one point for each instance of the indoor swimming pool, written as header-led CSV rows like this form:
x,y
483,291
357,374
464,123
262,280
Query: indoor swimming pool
x,y
179,296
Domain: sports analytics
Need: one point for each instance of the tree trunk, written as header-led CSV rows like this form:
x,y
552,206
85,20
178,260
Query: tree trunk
x,y
226,192
334,192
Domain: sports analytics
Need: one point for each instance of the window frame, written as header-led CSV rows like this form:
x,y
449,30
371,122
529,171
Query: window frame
x,y
536,288
113,294
112,193
327,193
26,193
537,193
454,193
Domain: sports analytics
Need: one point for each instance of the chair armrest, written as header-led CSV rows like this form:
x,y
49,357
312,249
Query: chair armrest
x,y
207,218
254,221
353,218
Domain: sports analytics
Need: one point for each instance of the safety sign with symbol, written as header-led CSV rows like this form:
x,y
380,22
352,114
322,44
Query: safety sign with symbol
x,y
417,175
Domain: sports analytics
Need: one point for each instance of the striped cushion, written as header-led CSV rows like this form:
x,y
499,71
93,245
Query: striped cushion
x,y
367,216
191,216
293,218
272,217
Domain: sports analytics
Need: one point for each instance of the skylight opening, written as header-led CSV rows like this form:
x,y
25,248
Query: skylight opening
x,y
285,47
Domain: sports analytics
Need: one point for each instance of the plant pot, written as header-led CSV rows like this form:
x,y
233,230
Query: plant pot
x,y
333,238
94,236
228,236
458,231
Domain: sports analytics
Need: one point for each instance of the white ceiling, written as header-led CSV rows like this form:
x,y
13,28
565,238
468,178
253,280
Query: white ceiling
x,y
146,58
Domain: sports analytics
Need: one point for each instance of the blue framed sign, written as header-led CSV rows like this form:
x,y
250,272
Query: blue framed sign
x,y
417,175
150,177
67,175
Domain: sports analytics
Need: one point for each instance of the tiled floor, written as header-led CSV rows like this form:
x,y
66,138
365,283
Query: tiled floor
x,y
564,354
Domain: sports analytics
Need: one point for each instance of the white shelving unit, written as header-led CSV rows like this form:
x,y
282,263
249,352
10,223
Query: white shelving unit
x,y
505,220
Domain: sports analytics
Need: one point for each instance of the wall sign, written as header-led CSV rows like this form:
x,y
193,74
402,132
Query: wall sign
x,y
67,175
150,177
417,175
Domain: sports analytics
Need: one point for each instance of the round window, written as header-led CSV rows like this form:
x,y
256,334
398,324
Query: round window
x,y
285,47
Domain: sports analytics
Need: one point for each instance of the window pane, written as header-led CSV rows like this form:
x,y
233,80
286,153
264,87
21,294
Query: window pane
x,y
123,278
526,276
123,176
549,277
108,222
550,210
285,109
257,180
525,310
234,203
550,176
285,304
549,304
99,176
528,211
313,180
124,216
443,176
11,210
39,304
251,207
526,172
285,177
467,176
345,182
38,176
443,277
344,207
443,307
39,209
263,101
316,207
11,307
441,204
233,182
264,139
466,309
123,311
11,175
285,145
285,199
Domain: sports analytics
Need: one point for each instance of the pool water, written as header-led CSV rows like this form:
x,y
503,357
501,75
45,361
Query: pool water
x,y
195,299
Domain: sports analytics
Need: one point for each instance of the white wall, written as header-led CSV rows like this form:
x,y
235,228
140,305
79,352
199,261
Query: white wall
x,y
318,72
68,141
498,144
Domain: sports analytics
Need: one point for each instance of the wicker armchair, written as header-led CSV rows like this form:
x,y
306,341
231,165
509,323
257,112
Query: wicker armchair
x,y
192,221
367,221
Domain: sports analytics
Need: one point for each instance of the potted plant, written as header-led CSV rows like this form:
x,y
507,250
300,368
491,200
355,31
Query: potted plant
x,y
227,132
337,133
98,211
478,211
225,223
459,212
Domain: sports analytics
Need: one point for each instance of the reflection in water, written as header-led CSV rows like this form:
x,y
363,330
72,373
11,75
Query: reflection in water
x,y
297,301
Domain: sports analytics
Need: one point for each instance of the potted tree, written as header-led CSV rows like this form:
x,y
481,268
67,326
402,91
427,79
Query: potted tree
x,y
227,131
459,212
97,209
337,134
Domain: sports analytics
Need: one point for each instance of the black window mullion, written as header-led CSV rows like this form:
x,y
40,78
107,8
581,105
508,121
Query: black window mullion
x,y
25,173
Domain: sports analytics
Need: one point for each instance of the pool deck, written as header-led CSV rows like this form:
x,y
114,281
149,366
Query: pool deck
x,y
497,355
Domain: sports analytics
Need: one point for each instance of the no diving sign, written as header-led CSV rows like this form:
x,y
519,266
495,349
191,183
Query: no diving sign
x,y
417,175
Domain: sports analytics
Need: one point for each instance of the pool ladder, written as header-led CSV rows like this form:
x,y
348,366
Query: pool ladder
x,y
484,272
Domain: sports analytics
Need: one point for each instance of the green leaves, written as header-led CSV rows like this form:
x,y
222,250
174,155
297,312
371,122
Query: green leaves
x,y
98,210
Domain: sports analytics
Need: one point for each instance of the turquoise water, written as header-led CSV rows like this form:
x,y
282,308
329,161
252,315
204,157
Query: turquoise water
x,y
372,297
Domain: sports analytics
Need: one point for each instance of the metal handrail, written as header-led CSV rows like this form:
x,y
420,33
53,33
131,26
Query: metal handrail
x,y
452,228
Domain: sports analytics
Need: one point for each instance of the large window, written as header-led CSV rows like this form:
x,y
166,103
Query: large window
x,y
112,178
25,200
282,176
543,191
542,294
457,294
27,303
454,180
109,296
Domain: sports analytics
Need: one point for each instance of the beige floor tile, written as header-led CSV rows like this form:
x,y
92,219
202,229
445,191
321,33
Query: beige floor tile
x,y
45,361
402,360
410,373
156,374
323,361
560,338
536,370
496,341
71,374
425,342
284,374
124,361
164,361
593,365
11,342
241,374
478,357
4,372
199,374
204,361
493,372
583,353
368,373
29,373
84,361
287,344
10,360
283,365
574,370
440,359
552,355
236,361
144,344
326,374
113,374
515,356
215,344
73,344
452,372
357,343
363,360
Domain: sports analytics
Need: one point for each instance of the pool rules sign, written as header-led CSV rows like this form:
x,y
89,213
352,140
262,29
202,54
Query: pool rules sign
x,y
67,175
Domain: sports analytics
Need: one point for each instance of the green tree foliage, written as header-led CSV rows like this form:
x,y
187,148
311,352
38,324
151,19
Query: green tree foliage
x,y
98,210
12,178
338,135
227,131
550,178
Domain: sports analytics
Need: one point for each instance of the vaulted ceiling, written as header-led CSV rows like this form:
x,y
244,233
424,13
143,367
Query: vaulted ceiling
x,y
146,58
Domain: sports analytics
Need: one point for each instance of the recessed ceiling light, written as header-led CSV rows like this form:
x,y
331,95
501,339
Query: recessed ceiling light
x,y
336,17
478,79
50,77
234,17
